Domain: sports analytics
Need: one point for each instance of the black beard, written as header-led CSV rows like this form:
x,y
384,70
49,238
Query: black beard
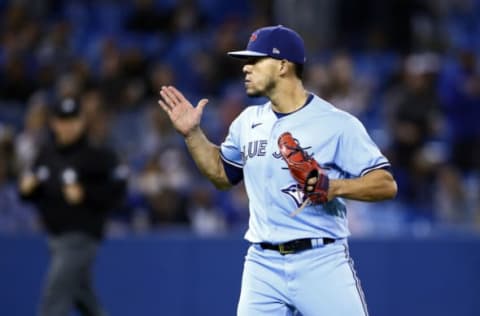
x,y
265,93
255,94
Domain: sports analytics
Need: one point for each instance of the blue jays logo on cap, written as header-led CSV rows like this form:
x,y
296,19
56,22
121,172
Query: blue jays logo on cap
x,y
278,42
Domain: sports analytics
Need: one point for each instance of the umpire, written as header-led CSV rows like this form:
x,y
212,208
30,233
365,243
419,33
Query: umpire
x,y
73,184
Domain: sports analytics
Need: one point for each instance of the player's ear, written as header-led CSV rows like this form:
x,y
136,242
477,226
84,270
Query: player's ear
x,y
285,67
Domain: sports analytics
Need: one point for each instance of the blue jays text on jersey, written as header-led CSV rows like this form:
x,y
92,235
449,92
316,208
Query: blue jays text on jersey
x,y
254,148
338,142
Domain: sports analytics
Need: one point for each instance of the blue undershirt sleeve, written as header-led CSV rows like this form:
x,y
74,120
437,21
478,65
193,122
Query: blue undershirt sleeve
x,y
234,174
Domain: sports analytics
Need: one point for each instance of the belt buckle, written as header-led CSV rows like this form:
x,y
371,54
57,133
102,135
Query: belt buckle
x,y
283,251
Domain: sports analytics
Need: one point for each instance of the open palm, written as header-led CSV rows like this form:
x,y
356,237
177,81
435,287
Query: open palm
x,y
185,118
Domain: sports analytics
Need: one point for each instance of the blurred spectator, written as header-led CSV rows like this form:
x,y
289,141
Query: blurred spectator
x,y
55,48
451,197
112,80
388,23
344,89
15,216
218,68
460,95
414,117
230,105
205,216
311,18
7,149
96,117
15,85
68,86
156,133
163,182
165,205
187,16
234,204
160,74
146,17
317,79
167,208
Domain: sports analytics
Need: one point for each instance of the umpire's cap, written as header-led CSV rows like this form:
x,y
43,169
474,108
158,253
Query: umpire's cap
x,y
278,42
66,108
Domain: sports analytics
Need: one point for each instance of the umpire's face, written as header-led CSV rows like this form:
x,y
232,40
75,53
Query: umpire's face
x,y
261,75
67,130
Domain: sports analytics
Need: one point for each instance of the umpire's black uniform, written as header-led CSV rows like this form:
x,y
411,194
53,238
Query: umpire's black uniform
x,y
74,222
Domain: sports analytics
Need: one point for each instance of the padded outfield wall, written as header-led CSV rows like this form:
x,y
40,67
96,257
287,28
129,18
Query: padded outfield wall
x,y
182,275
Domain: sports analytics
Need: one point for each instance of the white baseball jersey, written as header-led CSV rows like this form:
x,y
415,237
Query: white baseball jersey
x,y
337,140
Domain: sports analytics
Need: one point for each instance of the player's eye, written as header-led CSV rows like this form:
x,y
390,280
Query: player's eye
x,y
253,60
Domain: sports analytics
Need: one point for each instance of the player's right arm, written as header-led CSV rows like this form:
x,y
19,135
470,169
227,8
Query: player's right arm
x,y
186,120
207,158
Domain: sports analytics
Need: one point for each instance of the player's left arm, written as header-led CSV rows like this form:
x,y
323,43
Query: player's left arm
x,y
360,157
376,185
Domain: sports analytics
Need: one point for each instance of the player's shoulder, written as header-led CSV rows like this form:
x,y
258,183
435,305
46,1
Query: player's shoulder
x,y
254,111
319,106
344,121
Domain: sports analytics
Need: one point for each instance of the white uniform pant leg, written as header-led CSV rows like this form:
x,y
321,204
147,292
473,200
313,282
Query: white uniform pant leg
x,y
325,283
264,289
315,282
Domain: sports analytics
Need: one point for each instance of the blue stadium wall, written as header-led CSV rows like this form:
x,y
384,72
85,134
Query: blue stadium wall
x,y
188,276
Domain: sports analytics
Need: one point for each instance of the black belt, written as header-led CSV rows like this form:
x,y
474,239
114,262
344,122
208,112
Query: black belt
x,y
295,245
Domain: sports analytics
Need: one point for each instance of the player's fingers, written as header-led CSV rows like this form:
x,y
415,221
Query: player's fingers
x,y
201,104
167,98
311,184
177,95
164,106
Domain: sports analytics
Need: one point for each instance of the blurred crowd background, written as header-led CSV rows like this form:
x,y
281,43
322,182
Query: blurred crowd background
x,y
408,69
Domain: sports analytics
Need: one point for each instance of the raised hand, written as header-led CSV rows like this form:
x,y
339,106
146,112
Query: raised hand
x,y
185,118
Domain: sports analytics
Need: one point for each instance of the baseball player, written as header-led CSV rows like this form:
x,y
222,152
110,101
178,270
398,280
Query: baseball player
x,y
299,158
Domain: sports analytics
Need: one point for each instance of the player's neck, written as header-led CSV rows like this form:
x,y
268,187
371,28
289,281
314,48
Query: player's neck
x,y
288,98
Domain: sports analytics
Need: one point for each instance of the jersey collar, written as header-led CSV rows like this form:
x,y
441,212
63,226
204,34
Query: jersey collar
x,y
309,99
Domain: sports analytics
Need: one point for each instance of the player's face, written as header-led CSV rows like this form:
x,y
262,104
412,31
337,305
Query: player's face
x,y
260,75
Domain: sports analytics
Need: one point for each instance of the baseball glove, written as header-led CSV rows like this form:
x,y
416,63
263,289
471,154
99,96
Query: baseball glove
x,y
303,167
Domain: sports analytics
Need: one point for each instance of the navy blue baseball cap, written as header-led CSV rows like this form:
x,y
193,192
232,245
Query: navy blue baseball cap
x,y
66,108
278,42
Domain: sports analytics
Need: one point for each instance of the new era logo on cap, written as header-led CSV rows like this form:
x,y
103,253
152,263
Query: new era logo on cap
x,y
278,42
